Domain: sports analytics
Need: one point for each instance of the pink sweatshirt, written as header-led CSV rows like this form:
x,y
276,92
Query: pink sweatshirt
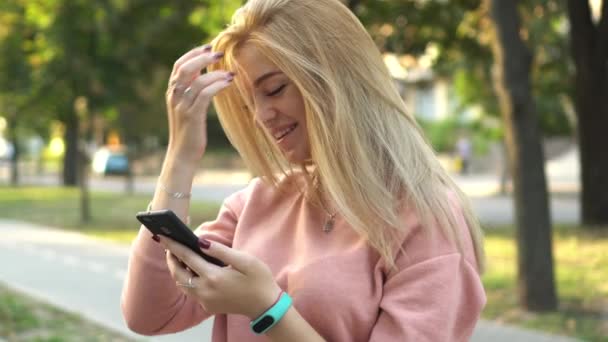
x,y
336,280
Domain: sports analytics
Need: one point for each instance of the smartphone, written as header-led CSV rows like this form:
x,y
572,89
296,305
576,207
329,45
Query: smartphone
x,y
165,222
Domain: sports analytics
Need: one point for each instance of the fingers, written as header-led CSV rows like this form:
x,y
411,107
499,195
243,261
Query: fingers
x,y
194,261
202,100
186,72
201,83
189,55
239,260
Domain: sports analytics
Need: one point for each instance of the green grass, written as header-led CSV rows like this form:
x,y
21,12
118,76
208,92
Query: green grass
x,y
113,215
581,256
26,319
581,272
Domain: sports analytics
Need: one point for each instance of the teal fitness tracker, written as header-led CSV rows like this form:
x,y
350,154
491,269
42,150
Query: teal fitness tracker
x,y
272,316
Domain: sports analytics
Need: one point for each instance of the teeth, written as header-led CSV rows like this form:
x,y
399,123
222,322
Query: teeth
x,y
284,132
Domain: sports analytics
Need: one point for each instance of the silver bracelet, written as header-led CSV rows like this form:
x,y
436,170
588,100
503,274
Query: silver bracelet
x,y
177,195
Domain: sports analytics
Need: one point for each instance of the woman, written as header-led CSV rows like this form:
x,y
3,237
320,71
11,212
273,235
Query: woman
x,y
352,230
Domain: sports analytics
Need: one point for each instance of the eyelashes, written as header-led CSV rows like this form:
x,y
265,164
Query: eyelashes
x,y
271,94
277,91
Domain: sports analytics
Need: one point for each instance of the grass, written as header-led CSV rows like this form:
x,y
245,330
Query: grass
x,y
581,256
113,214
26,319
581,272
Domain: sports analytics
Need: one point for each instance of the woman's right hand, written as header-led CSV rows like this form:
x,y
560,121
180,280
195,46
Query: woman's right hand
x,y
188,97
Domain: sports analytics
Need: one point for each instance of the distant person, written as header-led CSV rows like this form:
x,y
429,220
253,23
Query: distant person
x,y
464,149
351,230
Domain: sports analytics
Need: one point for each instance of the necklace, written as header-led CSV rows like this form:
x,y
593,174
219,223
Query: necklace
x,y
329,223
330,219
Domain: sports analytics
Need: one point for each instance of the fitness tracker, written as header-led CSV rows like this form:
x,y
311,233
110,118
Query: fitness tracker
x,y
272,316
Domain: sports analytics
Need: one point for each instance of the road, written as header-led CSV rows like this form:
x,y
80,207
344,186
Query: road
x,y
492,209
74,272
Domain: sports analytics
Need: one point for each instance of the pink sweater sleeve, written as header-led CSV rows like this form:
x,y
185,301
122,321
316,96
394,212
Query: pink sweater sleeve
x,y
151,303
435,300
435,293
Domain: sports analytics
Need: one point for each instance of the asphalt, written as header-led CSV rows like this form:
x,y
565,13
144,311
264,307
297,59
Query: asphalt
x,y
84,275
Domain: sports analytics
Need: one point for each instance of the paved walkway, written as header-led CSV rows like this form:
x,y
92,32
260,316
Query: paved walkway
x,y
84,275
492,209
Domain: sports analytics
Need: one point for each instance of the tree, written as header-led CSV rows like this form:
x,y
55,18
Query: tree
x,y
589,44
513,62
13,76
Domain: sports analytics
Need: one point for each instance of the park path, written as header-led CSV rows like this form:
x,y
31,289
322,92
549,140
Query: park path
x,y
84,275
490,207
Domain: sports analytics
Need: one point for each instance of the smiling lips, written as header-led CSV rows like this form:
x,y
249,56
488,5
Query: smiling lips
x,y
278,135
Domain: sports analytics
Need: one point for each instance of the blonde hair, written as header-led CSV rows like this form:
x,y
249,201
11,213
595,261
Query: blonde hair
x,y
370,154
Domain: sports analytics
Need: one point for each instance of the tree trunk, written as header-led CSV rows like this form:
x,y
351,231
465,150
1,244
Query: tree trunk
x,y
70,158
83,182
589,44
512,81
12,138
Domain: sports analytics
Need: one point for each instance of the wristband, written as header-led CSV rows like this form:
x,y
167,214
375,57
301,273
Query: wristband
x,y
272,316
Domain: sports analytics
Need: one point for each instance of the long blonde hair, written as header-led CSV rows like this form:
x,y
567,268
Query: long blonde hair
x,y
369,153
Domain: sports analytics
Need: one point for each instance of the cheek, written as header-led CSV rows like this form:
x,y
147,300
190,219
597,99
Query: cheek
x,y
295,104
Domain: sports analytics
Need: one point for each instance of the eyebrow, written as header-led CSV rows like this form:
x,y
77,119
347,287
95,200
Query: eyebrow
x,y
264,77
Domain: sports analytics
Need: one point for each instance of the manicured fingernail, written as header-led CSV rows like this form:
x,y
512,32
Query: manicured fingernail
x,y
204,244
156,238
230,77
206,48
218,55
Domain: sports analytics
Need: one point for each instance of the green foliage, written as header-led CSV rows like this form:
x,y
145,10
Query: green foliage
x,y
461,32
118,55
444,134
115,54
26,319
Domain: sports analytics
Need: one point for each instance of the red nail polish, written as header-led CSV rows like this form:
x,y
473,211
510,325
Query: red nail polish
x,y
155,238
204,243
218,55
206,48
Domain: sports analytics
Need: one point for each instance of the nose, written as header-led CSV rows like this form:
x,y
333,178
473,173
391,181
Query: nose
x,y
264,113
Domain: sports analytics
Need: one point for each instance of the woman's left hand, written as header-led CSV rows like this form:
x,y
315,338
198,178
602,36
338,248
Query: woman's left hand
x,y
246,286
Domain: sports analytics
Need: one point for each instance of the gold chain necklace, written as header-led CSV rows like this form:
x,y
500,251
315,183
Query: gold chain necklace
x,y
330,219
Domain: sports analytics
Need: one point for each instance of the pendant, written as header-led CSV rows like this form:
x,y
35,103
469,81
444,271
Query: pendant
x,y
329,225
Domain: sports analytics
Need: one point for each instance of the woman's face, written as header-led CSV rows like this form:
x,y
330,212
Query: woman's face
x,y
278,104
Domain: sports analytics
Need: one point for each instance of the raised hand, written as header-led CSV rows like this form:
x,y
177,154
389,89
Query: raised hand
x,y
188,97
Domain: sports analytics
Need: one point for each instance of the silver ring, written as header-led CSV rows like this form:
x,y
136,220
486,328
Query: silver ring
x,y
187,90
177,88
190,285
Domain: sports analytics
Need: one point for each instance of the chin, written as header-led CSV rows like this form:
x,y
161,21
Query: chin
x,y
297,157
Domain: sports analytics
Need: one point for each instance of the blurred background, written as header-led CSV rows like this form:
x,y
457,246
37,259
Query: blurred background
x,y
512,95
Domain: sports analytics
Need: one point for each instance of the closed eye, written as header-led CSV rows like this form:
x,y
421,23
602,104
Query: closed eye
x,y
277,91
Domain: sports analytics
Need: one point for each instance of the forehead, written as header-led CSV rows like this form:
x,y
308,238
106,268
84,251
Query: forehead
x,y
253,63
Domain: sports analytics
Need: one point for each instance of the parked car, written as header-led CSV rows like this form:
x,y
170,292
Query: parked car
x,y
107,161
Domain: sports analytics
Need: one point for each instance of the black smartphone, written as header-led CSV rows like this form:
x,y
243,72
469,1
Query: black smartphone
x,y
165,222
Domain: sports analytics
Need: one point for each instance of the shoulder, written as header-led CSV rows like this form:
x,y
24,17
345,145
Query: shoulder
x,y
260,191
422,241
